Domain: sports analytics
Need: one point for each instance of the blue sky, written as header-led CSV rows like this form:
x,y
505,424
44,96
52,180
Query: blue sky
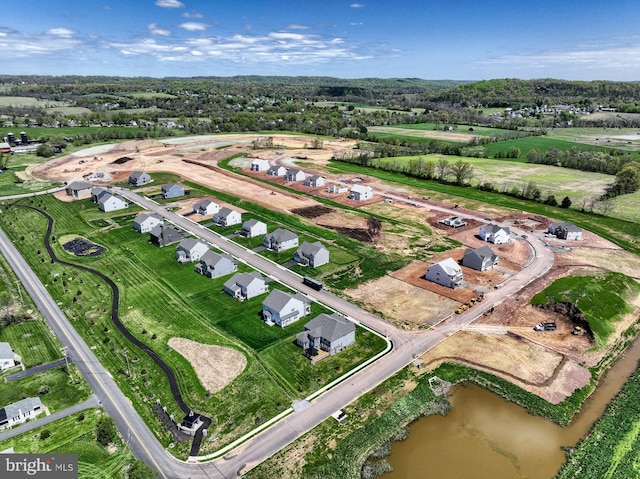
x,y
430,39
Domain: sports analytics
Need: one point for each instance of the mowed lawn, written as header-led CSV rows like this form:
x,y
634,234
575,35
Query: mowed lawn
x,y
33,341
161,299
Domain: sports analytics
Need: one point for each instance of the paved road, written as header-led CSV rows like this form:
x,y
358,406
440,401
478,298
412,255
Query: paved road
x,y
406,344
43,421
37,370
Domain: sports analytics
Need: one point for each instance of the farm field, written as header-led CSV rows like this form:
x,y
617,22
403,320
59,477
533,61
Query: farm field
x,y
178,303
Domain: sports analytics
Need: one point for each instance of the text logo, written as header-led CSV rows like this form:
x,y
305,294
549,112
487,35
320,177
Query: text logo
x,y
37,466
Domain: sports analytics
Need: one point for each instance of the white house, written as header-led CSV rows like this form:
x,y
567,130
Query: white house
x,y
171,190
260,165
227,217
494,234
98,192
294,174
446,273
190,250
335,188
253,228
139,178
8,359
360,193
206,207
246,285
280,240
311,254
111,202
20,412
277,170
567,231
284,308
314,181
145,222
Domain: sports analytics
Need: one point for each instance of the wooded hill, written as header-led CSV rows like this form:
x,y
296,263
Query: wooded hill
x,y
512,92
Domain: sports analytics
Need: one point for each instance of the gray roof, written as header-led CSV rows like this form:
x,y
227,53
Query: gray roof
x,y
293,171
13,411
484,252
142,217
211,258
310,249
225,212
564,226
491,228
78,185
5,351
331,327
280,235
168,186
136,174
278,299
243,279
189,243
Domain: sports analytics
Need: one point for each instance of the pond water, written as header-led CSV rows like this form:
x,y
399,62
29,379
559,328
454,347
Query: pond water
x,y
486,437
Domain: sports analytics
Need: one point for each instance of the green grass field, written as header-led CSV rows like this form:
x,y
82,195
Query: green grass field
x,y
161,299
601,298
33,341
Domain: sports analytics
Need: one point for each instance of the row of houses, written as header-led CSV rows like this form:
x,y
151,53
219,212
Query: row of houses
x,y
357,192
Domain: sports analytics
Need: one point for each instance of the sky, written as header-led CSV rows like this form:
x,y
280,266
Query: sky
x,y
435,40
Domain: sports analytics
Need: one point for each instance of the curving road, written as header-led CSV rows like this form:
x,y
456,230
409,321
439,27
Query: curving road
x,y
406,346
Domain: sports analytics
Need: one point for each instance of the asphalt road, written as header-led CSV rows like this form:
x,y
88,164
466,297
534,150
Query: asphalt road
x,y
143,443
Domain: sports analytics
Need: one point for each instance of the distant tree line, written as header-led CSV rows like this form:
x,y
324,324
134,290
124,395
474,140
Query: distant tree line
x,y
577,159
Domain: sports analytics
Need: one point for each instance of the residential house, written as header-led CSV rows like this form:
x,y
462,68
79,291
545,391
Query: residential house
x,y
227,217
171,190
111,202
260,165
164,235
329,333
311,254
280,240
78,189
480,259
253,228
294,174
564,230
454,222
139,178
335,188
213,265
20,412
277,170
98,192
446,273
314,181
284,308
495,234
246,285
145,222
360,193
8,358
206,207
190,250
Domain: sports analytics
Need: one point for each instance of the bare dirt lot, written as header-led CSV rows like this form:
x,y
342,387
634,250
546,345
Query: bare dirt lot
x,y
215,366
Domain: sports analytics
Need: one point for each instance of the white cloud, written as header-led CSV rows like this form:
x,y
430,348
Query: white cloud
x,y
357,5
297,26
194,26
62,32
192,15
356,24
155,30
169,3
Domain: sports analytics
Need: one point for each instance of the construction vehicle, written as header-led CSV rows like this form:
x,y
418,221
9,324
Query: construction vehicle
x,y
545,327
